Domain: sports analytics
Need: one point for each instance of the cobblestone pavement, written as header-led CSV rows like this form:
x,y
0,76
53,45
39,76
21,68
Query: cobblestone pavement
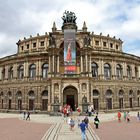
x,y
45,127
15,129
115,130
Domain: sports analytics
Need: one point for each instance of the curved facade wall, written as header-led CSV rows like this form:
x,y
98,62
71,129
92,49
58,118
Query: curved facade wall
x,y
34,78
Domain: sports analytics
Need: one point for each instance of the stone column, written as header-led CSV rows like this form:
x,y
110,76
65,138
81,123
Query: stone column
x,y
81,63
133,71
90,63
52,100
37,44
113,70
114,66
25,69
39,68
49,98
45,43
15,70
101,43
86,63
124,69
30,46
58,63
49,63
6,72
53,63
88,92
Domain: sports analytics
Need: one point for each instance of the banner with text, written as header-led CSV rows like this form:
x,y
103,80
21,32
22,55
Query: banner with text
x,y
69,51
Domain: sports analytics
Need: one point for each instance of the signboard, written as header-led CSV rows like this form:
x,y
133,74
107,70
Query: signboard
x,y
69,51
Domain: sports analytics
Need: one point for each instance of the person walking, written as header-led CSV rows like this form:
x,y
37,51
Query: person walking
x,y
138,116
119,116
96,122
124,115
28,116
86,120
83,127
72,124
128,117
24,115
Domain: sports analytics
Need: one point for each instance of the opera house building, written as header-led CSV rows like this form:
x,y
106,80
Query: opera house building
x,y
69,66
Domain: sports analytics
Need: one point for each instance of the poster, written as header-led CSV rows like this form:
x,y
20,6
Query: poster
x,y
69,51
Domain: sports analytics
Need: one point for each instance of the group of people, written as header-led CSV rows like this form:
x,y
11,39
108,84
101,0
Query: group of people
x,y
26,115
83,125
67,110
90,111
126,116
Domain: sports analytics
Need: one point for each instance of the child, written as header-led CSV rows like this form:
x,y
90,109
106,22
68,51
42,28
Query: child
x,y
72,123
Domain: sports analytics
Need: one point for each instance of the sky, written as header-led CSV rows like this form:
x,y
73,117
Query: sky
x,y
22,18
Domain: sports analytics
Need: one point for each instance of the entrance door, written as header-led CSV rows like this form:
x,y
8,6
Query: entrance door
x,y
44,104
70,97
9,105
131,103
120,103
31,104
19,104
70,101
109,103
138,101
96,104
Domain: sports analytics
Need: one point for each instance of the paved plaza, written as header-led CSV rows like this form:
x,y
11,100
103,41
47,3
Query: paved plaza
x,y
45,127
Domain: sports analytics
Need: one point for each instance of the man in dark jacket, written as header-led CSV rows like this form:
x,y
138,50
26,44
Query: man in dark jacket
x,y
96,122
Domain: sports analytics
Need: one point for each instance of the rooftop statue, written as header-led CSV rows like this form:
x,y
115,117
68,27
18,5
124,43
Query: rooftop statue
x,y
87,41
69,17
52,41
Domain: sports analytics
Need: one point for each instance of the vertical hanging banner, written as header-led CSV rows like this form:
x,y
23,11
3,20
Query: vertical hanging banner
x,y
69,51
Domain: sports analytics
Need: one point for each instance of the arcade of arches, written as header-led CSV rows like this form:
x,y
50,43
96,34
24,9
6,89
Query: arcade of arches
x,y
71,96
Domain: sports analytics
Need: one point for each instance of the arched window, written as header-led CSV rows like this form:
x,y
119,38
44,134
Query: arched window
x,y
32,71
138,93
31,94
19,100
119,71
45,100
107,71
109,99
121,93
11,73
129,73
94,69
131,92
9,94
20,72
19,94
45,70
95,93
45,93
109,93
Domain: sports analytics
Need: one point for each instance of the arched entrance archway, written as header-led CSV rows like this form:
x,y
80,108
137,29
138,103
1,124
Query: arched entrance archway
x,y
70,97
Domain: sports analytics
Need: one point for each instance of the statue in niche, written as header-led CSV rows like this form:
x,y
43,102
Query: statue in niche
x,y
84,87
56,100
52,41
87,41
56,87
84,100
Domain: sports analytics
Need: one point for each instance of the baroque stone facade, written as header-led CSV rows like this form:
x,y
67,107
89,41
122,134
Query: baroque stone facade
x,y
34,77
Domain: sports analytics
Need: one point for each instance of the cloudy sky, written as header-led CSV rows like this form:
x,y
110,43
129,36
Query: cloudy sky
x,y
22,18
